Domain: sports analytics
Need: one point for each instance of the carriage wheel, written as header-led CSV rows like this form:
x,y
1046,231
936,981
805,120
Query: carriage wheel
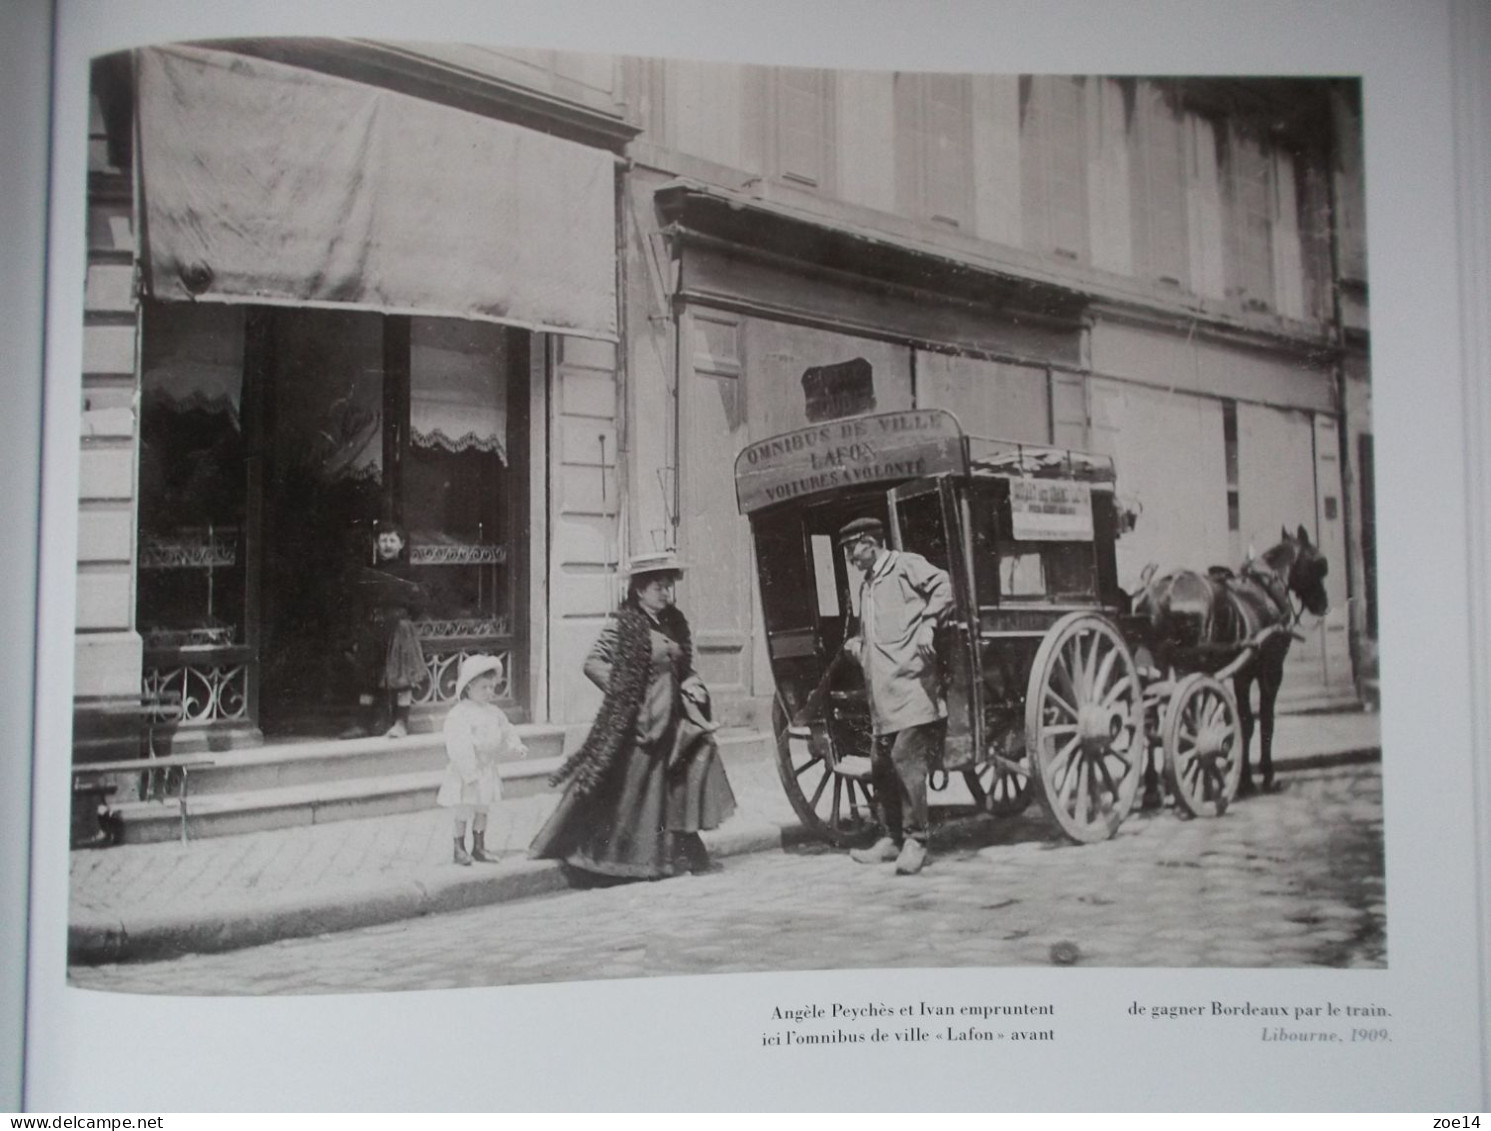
x,y
837,807
1202,748
1001,788
1084,726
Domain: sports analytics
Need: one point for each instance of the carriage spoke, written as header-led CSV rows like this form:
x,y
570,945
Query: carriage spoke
x,y
798,771
849,789
1105,670
1061,763
1092,798
1074,796
822,785
1215,784
1062,776
1108,783
1114,694
1052,697
1090,665
838,796
1192,771
1077,667
1098,793
1069,685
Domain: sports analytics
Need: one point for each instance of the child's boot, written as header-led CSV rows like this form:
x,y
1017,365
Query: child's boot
x,y
462,856
479,848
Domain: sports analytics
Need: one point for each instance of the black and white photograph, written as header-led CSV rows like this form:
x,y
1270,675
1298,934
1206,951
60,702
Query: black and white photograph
x,y
740,509
678,555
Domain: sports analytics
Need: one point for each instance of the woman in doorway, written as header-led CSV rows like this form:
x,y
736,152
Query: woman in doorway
x,y
389,659
648,777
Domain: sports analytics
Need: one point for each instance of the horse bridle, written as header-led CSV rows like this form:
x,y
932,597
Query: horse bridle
x,y
1284,598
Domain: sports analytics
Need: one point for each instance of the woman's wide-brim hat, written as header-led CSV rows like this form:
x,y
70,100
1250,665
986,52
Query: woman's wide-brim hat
x,y
473,666
660,561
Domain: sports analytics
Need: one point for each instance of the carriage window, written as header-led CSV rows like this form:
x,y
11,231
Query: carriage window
x,y
1056,571
983,514
922,532
783,570
823,576
1020,572
1070,570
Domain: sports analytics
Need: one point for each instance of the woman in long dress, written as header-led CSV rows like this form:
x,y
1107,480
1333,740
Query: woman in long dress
x,y
648,777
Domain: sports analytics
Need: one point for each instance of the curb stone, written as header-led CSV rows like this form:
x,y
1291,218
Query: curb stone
x,y
153,936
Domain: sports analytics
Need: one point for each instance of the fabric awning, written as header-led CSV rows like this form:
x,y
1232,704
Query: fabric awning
x,y
271,184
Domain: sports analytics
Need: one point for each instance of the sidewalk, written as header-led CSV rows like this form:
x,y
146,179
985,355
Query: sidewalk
x,y
153,901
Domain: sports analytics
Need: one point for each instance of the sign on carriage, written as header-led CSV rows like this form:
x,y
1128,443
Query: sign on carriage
x,y
848,453
1050,510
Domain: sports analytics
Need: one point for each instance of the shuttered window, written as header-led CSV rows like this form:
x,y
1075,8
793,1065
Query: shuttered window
x,y
1158,168
1053,165
802,125
1250,224
934,144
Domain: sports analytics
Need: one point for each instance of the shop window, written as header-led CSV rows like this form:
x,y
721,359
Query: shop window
x,y
1158,172
459,491
193,488
934,146
193,495
1053,165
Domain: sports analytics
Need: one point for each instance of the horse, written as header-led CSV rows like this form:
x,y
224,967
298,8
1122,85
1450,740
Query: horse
x,y
1254,608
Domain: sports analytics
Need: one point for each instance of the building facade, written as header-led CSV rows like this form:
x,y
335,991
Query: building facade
x,y
1169,273
529,306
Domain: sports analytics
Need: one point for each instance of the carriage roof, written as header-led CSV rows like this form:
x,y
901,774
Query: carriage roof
x,y
894,447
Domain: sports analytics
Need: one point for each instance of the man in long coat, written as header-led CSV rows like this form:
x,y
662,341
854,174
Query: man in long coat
x,y
902,600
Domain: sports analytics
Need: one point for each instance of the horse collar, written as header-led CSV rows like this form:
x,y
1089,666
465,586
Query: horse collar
x,y
1277,589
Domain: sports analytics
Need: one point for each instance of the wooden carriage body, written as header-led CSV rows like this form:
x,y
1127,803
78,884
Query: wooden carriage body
x,y
1044,696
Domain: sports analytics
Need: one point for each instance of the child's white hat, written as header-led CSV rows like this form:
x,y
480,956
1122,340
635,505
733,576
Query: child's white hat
x,y
473,666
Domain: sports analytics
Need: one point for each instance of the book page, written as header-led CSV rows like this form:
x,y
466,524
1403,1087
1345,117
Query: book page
x,y
1195,957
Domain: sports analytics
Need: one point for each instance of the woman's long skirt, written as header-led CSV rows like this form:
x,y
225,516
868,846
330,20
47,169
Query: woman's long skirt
x,y
642,820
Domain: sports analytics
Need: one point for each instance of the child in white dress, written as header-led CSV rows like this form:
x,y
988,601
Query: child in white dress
x,y
477,734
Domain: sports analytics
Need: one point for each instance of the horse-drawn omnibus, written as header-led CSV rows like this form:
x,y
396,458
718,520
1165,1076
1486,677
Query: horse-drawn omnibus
x,y
1045,694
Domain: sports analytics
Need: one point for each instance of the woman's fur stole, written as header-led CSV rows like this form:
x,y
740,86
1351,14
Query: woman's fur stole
x,y
614,728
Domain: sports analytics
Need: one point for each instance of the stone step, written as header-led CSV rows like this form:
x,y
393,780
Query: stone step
x,y
288,764
229,814
351,797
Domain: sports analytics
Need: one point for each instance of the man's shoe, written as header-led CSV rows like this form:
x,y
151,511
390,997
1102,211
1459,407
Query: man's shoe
x,y
883,851
912,858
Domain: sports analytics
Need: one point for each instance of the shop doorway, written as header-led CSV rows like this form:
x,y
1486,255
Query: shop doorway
x,y
378,422
324,477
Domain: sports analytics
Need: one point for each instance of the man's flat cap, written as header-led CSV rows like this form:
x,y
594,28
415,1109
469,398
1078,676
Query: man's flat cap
x,y
852,530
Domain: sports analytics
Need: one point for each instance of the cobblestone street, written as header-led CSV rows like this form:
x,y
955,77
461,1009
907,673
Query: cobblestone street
x,y
1292,879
